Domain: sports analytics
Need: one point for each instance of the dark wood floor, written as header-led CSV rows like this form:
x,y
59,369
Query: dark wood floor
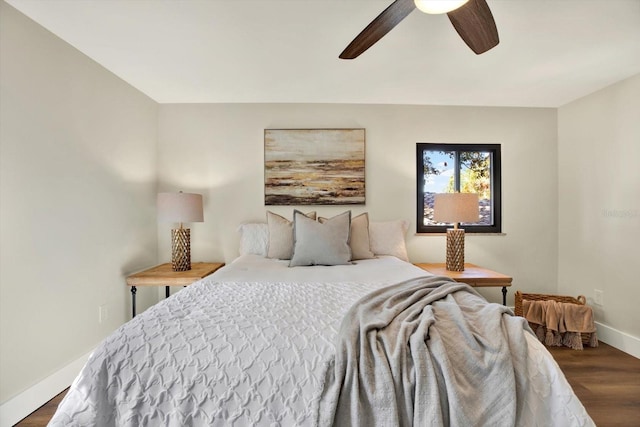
x,y
606,380
42,416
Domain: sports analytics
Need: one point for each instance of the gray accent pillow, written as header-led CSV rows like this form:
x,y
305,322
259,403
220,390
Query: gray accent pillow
x,y
281,235
318,243
359,240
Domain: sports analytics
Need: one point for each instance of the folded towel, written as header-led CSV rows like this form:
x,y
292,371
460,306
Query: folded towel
x,y
578,318
534,311
559,323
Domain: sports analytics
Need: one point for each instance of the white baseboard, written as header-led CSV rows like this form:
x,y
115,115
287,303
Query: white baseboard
x,y
18,407
618,339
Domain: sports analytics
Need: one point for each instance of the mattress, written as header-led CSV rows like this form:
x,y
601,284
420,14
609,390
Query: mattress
x,y
250,345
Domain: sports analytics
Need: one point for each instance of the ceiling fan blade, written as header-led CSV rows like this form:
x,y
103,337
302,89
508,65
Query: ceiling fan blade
x,y
389,18
475,24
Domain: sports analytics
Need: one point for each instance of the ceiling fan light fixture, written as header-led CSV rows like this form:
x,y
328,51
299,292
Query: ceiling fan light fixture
x,y
439,6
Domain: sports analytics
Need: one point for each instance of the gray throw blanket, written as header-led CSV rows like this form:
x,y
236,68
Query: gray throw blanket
x,y
428,351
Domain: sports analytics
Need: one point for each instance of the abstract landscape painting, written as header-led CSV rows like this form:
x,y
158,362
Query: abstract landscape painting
x,y
314,166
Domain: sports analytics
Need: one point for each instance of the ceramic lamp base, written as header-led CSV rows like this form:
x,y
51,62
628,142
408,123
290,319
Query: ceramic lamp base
x,y
181,249
455,249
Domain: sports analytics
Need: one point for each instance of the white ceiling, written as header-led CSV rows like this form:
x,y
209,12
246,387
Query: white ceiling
x,y
209,51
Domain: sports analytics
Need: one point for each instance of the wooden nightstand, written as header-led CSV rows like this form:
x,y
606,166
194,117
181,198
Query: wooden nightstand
x,y
163,275
472,275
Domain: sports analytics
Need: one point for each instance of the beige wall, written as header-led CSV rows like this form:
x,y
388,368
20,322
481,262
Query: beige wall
x,y
77,200
599,221
217,150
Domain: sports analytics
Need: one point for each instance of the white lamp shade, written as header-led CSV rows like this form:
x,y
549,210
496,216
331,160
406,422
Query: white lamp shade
x,y
438,6
456,207
180,207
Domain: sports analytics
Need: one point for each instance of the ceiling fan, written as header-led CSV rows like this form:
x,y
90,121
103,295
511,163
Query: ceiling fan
x,y
472,19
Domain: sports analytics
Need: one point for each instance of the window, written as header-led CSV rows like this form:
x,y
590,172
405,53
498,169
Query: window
x,y
464,168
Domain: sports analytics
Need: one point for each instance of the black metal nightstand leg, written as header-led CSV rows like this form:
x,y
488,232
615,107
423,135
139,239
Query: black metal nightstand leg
x,y
504,295
133,301
166,292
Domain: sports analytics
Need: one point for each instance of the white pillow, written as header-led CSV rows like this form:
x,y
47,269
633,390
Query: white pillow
x,y
321,243
359,240
281,235
254,238
388,238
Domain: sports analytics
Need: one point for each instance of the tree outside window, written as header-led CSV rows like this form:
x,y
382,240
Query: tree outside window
x,y
464,168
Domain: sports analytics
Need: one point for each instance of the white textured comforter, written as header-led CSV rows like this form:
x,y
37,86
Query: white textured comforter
x,y
250,345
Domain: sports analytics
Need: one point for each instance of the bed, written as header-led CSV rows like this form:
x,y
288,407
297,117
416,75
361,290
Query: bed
x,y
262,343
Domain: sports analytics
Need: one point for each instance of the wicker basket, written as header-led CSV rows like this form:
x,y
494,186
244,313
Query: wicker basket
x,y
544,297
581,300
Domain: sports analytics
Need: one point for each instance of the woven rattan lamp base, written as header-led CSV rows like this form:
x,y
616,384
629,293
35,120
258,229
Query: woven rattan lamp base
x,y
455,249
181,249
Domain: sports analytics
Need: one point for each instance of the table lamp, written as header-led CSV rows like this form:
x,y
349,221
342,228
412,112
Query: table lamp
x,y
455,208
180,207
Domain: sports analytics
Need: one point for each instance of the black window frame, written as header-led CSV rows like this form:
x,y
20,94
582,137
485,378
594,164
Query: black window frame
x,y
496,187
